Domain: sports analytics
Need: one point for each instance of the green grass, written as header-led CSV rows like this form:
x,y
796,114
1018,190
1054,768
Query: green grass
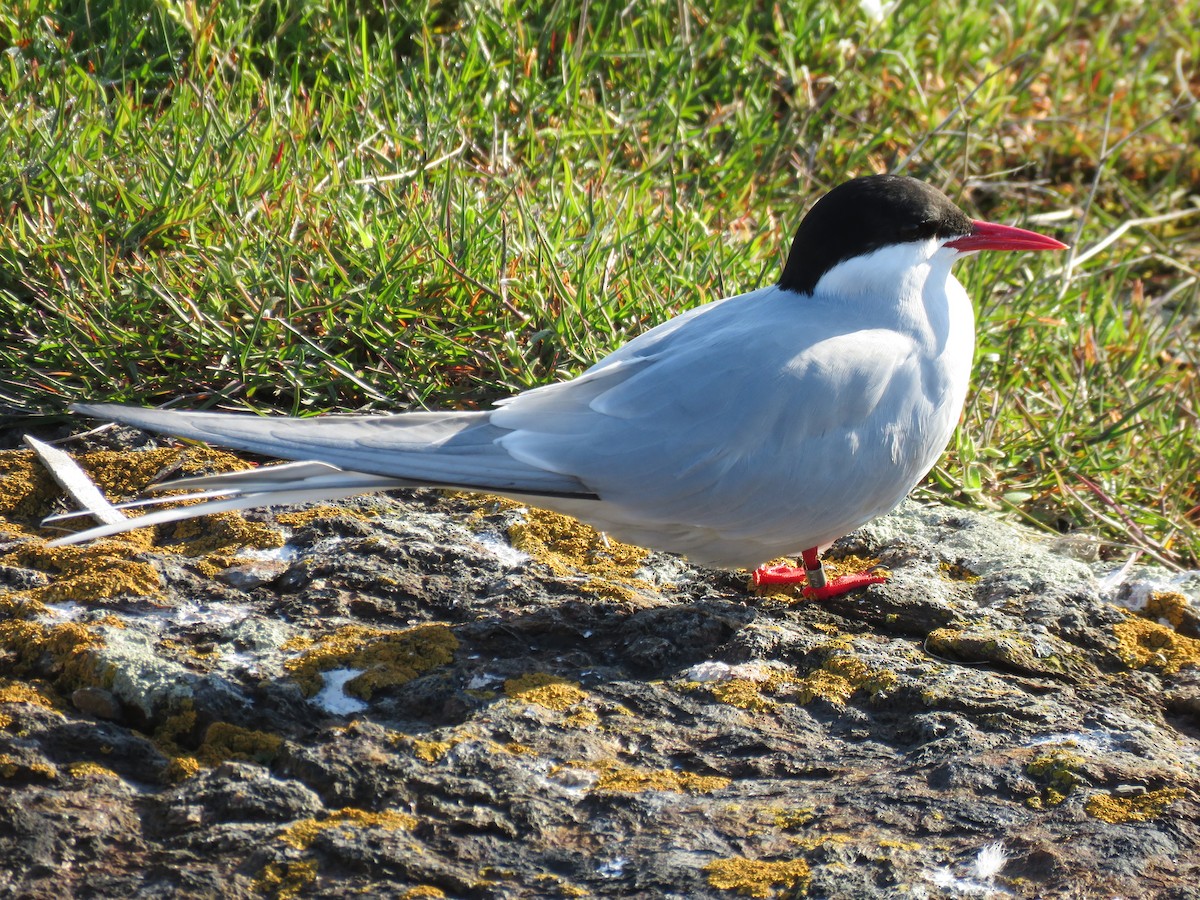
x,y
320,204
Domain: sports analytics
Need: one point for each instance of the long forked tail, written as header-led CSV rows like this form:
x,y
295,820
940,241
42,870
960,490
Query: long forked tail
x,y
340,456
278,485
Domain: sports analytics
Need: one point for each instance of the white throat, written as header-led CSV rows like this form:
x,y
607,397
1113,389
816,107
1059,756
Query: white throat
x,y
898,267
908,287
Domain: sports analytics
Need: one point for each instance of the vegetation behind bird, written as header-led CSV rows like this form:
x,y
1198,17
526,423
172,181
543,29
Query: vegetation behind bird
x,y
316,206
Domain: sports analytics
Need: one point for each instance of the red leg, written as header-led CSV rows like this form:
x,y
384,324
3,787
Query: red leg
x,y
817,587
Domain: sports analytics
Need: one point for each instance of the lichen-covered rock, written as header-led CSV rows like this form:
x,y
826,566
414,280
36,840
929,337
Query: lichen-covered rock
x,y
428,695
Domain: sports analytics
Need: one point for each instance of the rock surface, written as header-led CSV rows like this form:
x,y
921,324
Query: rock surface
x,y
423,695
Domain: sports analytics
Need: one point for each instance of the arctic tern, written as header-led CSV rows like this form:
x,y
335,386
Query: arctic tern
x,y
758,426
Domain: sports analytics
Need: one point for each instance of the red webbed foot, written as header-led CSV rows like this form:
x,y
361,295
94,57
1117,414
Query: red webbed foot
x,y
844,584
764,575
812,576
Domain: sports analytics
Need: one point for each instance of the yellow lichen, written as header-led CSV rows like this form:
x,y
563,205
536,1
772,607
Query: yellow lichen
x,y
12,767
958,572
569,548
89,770
297,518
623,779
31,692
181,768
581,718
791,819
28,493
429,751
814,841
223,741
1172,606
839,676
98,571
852,564
1142,808
892,844
122,474
26,488
744,693
287,879
1017,650
1142,643
489,874
297,643
180,724
301,834
542,689
387,658
184,648
423,892
758,878
211,565
547,881
1058,769
69,648
217,532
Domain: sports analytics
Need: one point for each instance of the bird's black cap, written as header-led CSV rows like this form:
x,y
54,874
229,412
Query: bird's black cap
x,y
863,215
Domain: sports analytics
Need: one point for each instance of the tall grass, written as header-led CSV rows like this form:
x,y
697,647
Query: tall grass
x,y
319,204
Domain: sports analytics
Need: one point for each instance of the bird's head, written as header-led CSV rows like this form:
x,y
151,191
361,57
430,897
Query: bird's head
x,y
866,215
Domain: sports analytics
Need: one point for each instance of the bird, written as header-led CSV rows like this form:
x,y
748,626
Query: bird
x,y
759,426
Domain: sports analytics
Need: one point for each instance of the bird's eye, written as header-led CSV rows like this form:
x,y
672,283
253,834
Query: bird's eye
x,y
916,231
